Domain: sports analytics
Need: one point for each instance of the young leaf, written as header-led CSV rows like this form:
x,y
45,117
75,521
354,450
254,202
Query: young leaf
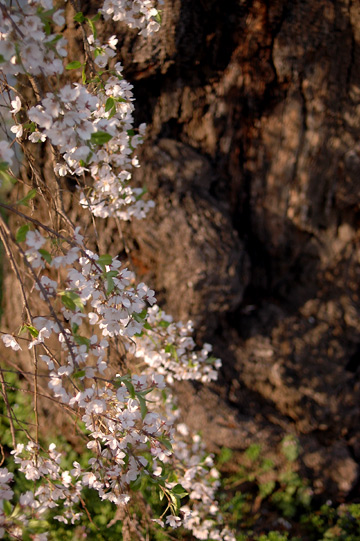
x,y
79,374
104,260
74,65
68,303
179,491
164,324
143,407
100,137
75,298
109,104
34,332
30,195
3,165
79,17
130,387
74,328
21,233
92,26
110,285
112,112
45,255
175,501
82,341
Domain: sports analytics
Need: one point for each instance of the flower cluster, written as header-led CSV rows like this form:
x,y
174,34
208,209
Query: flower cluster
x,y
91,129
140,14
89,312
168,348
27,45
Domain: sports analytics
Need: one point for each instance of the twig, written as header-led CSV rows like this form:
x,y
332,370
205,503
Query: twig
x,y
8,407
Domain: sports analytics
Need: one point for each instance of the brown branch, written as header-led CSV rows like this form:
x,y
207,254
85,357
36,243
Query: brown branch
x,y
8,407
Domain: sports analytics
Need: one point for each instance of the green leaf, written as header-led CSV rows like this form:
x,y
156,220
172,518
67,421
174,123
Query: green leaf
x,y
47,28
75,328
79,17
112,112
141,317
130,387
30,195
179,491
110,285
74,65
100,137
45,255
166,443
83,76
253,451
55,40
92,26
7,506
225,455
2,59
143,407
79,374
111,274
4,166
130,133
110,282
175,501
290,448
98,52
164,324
74,297
104,260
110,102
34,332
31,126
68,302
82,341
21,233
170,348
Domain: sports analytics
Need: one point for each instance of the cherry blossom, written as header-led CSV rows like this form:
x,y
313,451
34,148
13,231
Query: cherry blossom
x,y
89,306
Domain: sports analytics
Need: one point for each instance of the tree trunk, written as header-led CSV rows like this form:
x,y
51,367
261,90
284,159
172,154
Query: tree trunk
x,y
252,157
253,160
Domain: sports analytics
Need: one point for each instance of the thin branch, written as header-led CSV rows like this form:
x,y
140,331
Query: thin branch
x,y
8,407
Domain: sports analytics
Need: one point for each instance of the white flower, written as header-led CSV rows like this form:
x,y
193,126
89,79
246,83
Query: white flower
x,y
27,498
10,342
16,105
58,17
17,129
173,521
68,93
7,49
34,239
6,153
37,136
39,116
96,406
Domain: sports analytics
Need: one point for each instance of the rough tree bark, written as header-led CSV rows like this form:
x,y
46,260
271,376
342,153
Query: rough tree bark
x,y
253,159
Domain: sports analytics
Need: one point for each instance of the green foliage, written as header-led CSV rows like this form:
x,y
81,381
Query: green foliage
x,y
335,524
20,402
260,488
